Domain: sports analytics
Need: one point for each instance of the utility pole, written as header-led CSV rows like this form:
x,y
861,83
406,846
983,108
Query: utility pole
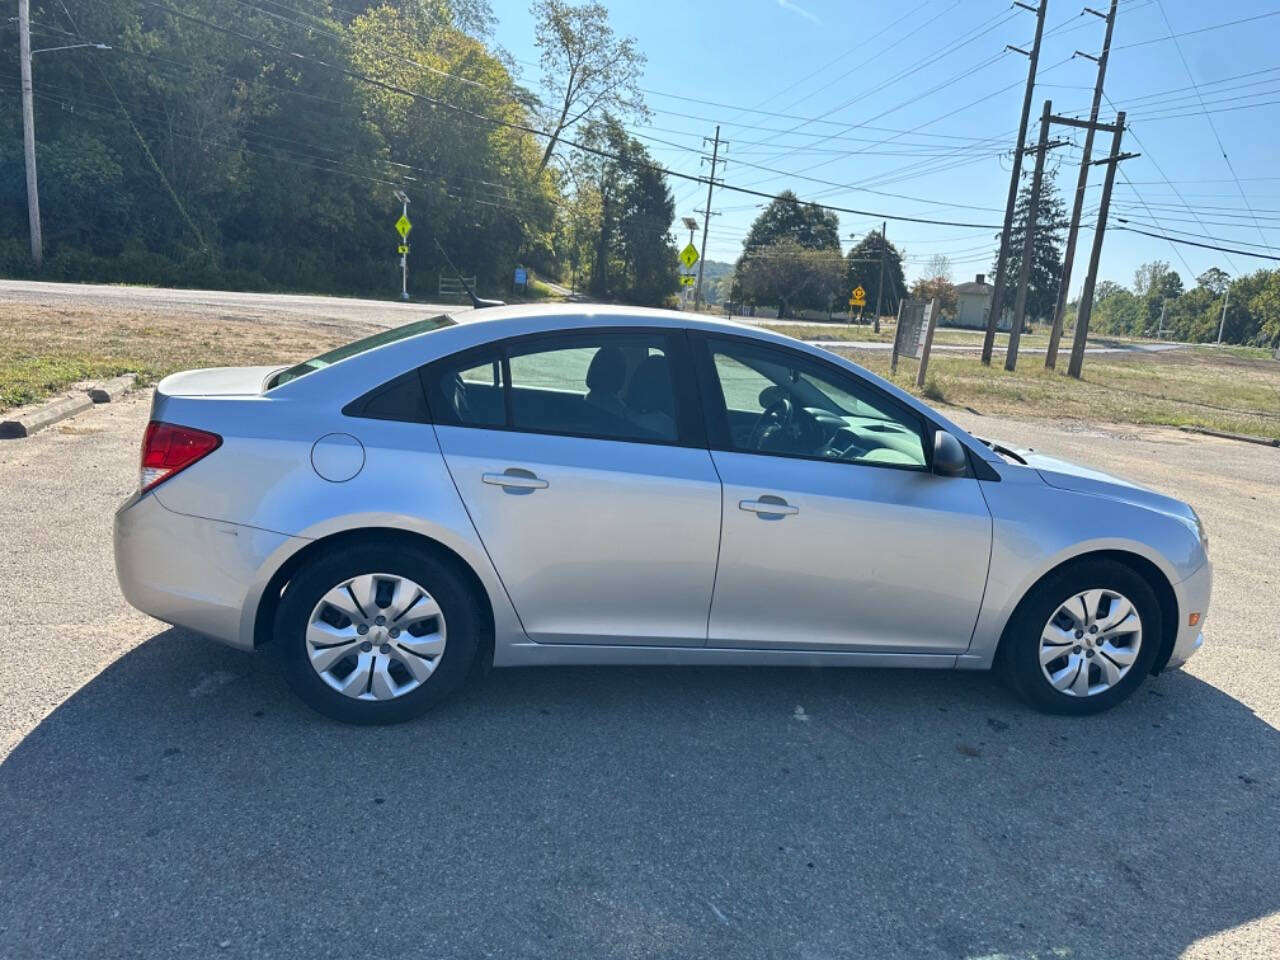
x,y
1082,184
1091,279
997,298
884,254
1223,322
1160,330
1029,241
29,132
706,218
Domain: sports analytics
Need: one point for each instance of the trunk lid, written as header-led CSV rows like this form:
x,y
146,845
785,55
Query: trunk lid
x,y
216,382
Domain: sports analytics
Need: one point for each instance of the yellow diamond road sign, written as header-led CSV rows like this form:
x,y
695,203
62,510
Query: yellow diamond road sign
x,y
689,256
859,293
403,226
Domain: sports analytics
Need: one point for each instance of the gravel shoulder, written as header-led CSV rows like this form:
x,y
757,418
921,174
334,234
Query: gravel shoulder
x,y
162,796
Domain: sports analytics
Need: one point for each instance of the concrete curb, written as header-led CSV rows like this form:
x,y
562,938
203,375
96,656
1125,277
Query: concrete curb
x,y
112,389
1242,437
28,422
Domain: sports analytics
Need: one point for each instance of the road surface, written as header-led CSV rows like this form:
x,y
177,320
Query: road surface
x,y
161,796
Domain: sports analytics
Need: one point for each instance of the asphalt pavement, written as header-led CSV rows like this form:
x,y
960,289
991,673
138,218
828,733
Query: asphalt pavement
x,y
161,796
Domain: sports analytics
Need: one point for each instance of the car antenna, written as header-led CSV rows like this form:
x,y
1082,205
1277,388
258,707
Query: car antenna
x,y
476,302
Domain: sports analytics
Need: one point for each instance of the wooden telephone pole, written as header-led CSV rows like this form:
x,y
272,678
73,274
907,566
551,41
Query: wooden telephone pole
x,y
1090,281
997,298
706,217
1029,241
29,132
1082,184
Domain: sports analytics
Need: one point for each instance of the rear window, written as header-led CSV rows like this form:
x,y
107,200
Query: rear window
x,y
381,339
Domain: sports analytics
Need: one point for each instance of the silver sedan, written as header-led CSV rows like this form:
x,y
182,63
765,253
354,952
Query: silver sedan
x,y
573,485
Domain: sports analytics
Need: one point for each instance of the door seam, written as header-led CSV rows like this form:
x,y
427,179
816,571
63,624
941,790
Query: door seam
x,y
715,576
483,546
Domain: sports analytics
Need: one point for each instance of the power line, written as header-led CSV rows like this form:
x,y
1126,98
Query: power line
x,y
1193,243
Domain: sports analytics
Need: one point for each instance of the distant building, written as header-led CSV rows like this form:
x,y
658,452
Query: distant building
x,y
973,301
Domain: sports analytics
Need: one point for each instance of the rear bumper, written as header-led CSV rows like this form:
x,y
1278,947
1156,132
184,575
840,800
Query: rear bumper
x,y
1193,597
204,575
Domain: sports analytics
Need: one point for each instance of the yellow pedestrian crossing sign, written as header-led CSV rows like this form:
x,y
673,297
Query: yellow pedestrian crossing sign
x,y
687,279
403,226
859,298
689,256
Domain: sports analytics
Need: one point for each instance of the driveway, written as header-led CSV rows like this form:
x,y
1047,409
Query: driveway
x,y
161,796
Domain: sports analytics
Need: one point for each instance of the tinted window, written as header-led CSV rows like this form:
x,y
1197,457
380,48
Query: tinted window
x,y
360,346
615,386
399,399
777,401
469,392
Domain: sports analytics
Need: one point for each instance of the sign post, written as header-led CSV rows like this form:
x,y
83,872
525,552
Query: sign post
x,y
926,345
914,335
688,256
403,226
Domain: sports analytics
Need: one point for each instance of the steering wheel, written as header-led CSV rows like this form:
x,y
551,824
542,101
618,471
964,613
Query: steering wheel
x,y
777,416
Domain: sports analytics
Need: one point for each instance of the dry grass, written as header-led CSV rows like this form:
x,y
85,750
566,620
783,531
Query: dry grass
x,y
45,349
1196,386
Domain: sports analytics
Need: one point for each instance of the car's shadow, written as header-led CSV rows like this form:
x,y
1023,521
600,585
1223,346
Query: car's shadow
x,y
183,803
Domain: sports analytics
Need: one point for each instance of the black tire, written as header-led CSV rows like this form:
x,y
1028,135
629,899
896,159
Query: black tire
x,y
1020,648
316,578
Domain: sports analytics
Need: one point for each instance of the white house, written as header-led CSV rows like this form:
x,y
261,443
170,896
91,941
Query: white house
x,y
973,301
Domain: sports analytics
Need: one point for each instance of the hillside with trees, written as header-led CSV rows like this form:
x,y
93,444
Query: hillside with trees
x,y
254,145
1159,303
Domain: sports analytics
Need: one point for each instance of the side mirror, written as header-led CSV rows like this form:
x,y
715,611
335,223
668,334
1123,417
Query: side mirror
x,y
949,458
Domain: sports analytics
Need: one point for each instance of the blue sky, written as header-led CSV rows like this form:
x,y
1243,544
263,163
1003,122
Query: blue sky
x,y
884,120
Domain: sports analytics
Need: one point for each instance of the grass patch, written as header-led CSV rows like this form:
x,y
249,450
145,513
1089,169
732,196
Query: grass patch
x,y
44,349
1195,386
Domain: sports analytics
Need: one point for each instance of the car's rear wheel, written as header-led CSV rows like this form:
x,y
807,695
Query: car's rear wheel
x,y
378,633
1083,639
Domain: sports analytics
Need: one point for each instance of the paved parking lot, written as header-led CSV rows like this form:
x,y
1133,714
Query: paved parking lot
x,y
161,796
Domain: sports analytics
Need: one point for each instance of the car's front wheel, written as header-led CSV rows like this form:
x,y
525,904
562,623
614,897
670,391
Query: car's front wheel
x,y
376,633
1084,638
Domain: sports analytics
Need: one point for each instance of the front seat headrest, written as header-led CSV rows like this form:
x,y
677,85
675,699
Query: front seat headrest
x,y
608,370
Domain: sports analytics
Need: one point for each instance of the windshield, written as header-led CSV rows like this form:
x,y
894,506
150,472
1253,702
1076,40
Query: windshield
x,y
347,350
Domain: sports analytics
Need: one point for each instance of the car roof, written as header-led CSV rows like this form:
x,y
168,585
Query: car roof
x,y
614,313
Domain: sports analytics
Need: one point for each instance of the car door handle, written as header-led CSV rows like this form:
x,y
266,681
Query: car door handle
x,y
524,480
769,507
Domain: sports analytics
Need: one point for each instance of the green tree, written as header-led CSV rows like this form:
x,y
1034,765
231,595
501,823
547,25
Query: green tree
x,y
634,255
589,70
791,275
1046,258
862,269
1215,280
805,224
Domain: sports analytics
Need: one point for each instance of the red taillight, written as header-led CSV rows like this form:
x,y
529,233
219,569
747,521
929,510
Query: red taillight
x,y
168,448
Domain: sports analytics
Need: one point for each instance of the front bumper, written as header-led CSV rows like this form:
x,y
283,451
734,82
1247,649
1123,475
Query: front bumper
x,y
204,575
1193,597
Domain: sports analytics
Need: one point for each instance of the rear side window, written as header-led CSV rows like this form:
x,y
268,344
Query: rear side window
x,y
607,385
360,346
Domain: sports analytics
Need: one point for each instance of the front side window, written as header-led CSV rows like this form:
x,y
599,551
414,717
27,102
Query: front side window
x,y
613,386
776,401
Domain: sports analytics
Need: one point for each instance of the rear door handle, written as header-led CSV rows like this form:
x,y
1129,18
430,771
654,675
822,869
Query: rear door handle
x,y
514,479
769,507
